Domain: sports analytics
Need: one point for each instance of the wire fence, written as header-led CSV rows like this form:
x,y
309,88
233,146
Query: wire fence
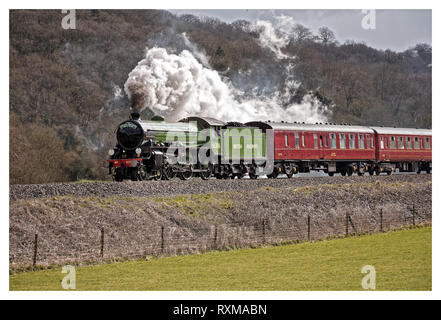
x,y
170,241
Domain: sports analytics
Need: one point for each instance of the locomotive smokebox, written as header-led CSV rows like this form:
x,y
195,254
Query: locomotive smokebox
x,y
130,134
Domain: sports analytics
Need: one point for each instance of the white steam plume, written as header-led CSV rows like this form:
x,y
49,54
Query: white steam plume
x,y
177,86
274,37
200,54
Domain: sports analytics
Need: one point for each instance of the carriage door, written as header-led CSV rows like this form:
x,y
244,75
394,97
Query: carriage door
x,y
321,147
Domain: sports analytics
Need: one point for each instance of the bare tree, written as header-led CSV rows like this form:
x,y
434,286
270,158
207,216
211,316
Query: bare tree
x,y
424,51
301,33
326,35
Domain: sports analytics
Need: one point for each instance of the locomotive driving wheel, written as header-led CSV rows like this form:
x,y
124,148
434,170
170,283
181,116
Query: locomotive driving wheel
x,y
187,175
167,172
158,175
205,175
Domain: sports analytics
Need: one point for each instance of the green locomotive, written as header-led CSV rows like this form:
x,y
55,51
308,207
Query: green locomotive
x,y
194,146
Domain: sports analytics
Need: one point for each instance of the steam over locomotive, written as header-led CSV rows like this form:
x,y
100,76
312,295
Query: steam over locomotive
x,y
205,147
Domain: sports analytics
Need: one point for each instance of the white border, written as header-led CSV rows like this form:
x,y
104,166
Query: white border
x,y
248,4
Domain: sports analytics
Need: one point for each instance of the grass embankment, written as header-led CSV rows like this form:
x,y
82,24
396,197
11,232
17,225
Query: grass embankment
x,y
69,227
402,259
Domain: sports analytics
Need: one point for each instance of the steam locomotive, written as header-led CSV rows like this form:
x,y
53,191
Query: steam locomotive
x,y
205,147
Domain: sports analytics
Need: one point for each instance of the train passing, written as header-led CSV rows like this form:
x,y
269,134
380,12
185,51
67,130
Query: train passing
x,y
206,147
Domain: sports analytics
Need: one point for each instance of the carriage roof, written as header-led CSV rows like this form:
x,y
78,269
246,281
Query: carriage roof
x,y
319,127
402,131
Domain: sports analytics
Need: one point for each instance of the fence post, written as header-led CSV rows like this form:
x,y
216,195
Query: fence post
x,y
309,227
215,238
413,215
347,224
263,231
238,234
102,243
381,220
34,260
162,239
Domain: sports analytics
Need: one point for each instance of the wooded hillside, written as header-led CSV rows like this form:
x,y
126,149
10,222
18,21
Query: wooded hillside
x,y
65,85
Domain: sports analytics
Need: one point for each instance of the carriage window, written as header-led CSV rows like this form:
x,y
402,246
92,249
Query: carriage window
x,y
333,141
303,140
342,141
416,143
408,143
368,141
286,140
393,143
351,141
315,141
400,143
427,143
326,141
381,143
361,141
297,139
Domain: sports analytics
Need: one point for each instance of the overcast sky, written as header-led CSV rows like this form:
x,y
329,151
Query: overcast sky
x,y
395,29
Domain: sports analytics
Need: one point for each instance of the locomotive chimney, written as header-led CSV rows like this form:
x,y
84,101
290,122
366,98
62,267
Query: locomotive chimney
x,y
134,116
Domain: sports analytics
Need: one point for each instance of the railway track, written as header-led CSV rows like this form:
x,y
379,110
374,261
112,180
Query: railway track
x,y
195,186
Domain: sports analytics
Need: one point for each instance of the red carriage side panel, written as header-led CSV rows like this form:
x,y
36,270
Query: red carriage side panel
x,y
403,145
323,142
324,146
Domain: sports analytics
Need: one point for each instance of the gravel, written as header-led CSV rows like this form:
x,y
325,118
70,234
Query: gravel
x,y
195,186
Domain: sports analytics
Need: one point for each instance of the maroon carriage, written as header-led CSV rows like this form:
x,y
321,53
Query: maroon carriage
x,y
409,150
300,147
346,149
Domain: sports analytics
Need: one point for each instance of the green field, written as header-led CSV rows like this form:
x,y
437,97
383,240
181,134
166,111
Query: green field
x,y
402,260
